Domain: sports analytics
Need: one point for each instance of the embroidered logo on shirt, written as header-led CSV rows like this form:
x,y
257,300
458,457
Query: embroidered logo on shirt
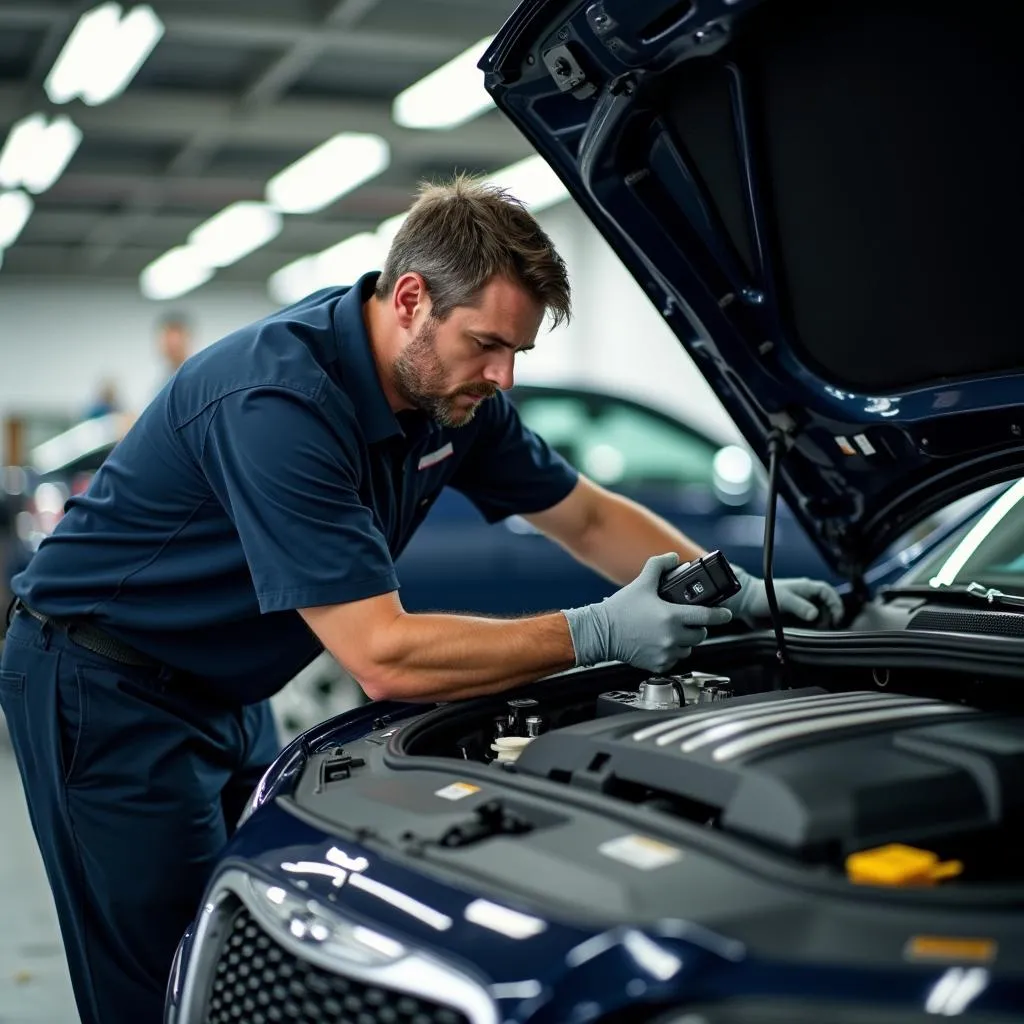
x,y
433,458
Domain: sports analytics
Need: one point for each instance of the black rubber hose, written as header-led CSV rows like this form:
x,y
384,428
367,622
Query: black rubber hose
x,y
776,445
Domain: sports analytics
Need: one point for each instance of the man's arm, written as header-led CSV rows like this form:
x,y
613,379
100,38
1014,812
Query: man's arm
x,y
614,535
610,533
396,655
399,656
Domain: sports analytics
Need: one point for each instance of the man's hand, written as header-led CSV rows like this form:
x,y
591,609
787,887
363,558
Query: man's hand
x,y
636,626
802,598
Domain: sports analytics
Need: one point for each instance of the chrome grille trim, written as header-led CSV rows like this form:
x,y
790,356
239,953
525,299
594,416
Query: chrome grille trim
x,y
415,973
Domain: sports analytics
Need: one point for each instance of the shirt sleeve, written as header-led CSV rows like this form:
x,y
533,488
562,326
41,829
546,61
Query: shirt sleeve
x,y
289,481
510,470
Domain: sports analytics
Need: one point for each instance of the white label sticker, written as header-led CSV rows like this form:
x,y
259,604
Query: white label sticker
x,y
864,444
433,458
640,852
844,446
457,790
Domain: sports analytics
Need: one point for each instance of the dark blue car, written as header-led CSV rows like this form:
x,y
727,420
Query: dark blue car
x,y
797,826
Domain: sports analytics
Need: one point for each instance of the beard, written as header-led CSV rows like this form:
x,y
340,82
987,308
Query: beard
x,y
420,375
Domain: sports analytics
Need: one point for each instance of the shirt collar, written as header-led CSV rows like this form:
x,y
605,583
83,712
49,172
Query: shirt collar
x,y
358,369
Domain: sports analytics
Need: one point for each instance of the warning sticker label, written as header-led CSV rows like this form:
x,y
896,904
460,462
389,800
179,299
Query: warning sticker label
x,y
641,852
457,790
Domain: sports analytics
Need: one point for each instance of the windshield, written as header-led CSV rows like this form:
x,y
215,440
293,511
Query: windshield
x,y
988,549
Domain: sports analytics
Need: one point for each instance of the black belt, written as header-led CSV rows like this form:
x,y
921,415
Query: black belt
x,y
92,638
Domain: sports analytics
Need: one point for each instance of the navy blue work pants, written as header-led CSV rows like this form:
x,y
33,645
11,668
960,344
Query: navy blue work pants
x,y
133,786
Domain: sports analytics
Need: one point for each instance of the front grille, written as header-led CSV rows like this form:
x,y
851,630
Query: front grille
x,y
258,981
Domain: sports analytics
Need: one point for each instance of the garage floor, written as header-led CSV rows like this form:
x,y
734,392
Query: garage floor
x,y
34,984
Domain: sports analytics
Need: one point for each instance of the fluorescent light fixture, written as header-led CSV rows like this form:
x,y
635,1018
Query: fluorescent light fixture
x,y
103,54
387,230
349,259
335,167
293,281
449,96
236,231
340,264
15,209
36,153
178,271
532,182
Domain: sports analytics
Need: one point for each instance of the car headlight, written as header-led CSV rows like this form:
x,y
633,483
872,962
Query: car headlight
x,y
311,923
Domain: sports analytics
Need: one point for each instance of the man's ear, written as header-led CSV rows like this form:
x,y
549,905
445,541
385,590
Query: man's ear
x,y
410,298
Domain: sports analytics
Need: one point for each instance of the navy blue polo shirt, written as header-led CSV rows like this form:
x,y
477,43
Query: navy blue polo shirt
x,y
271,474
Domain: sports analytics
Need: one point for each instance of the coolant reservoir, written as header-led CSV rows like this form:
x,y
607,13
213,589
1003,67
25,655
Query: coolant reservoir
x,y
508,748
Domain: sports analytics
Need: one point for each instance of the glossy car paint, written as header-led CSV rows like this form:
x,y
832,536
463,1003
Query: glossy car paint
x,y
568,970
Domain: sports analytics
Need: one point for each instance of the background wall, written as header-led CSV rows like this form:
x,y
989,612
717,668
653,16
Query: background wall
x,y
58,343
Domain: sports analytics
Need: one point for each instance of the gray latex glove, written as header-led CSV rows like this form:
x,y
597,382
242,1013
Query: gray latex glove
x,y
636,626
802,598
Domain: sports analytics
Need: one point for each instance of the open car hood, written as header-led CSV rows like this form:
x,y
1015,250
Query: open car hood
x,y
824,200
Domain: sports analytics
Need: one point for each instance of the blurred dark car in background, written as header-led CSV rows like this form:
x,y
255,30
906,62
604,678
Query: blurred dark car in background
x,y
32,497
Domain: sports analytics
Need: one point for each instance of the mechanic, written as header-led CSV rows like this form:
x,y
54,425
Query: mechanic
x,y
250,519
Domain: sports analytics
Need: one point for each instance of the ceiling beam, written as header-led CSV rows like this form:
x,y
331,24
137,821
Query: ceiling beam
x,y
260,34
176,116
286,69
203,194
73,231
141,199
57,33
265,90
267,33
47,261
300,233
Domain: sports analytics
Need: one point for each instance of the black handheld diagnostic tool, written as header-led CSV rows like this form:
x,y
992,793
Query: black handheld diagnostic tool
x,y
707,581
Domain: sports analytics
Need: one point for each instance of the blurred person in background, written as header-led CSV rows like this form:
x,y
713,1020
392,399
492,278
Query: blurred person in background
x,y
174,344
105,402
174,341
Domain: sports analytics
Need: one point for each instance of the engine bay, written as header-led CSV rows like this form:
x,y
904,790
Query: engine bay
x,y
922,766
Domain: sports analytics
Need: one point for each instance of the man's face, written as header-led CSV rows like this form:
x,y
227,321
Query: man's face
x,y
450,366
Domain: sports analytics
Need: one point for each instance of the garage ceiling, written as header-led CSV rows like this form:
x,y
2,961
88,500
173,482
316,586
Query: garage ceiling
x,y
233,93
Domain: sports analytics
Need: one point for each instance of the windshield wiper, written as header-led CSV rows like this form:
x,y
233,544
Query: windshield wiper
x,y
955,592
992,596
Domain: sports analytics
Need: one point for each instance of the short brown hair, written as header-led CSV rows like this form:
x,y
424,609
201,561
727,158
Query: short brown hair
x,y
460,234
